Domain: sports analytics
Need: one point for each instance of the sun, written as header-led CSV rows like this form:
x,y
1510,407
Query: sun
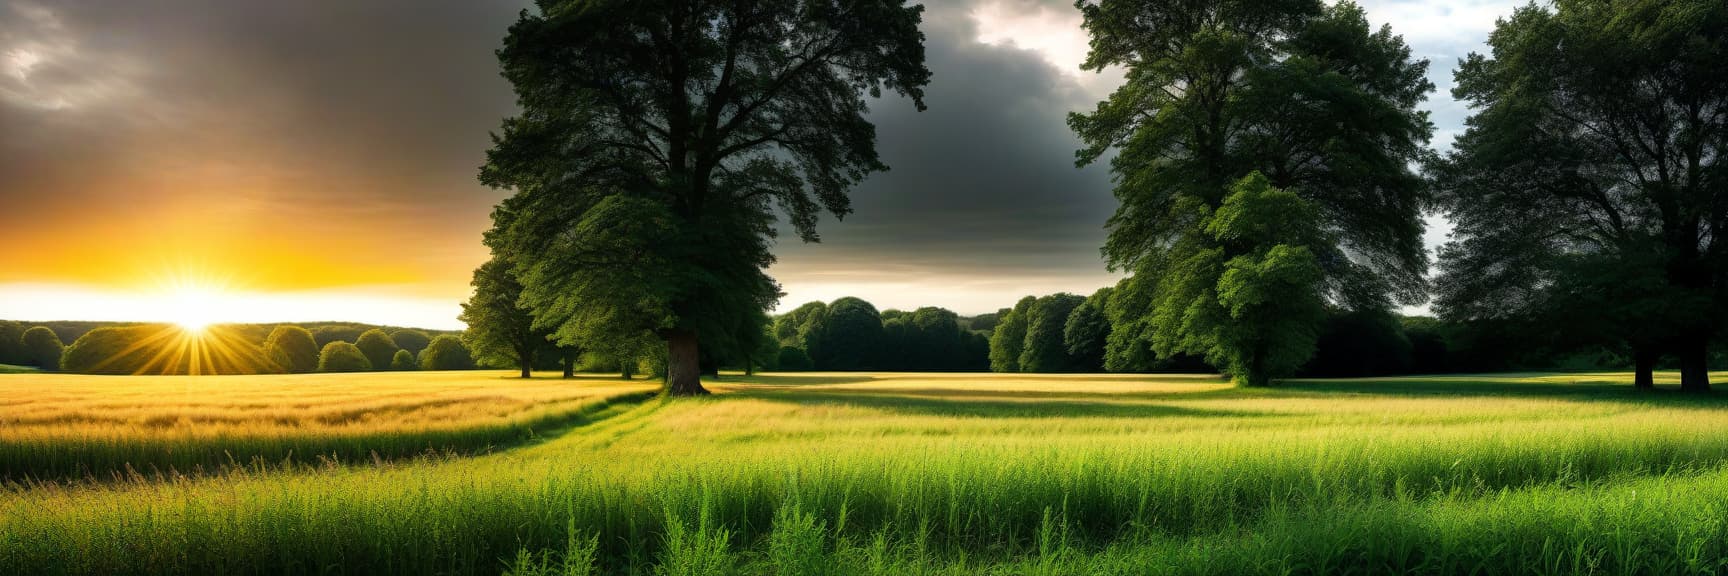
x,y
194,302
193,308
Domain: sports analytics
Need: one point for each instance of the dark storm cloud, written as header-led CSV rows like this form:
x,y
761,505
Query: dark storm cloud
x,y
983,183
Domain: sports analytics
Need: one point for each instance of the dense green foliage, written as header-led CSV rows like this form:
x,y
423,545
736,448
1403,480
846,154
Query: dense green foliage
x,y
658,138
411,340
446,352
1599,129
378,348
342,357
295,348
403,360
1305,93
1008,340
1046,347
324,335
12,343
849,334
500,330
42,347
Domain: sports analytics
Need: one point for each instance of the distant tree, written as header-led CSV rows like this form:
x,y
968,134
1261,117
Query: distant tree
x,y
1587,190
411,340
656,138
1360,344
378,348
403,361
1009,339
985,323
446,352
1428,348
1307,94
294,348
118,350
323,335
798,327
793,359
500,330
342,357
1045,349
42,347
850,336
12,343
1088,330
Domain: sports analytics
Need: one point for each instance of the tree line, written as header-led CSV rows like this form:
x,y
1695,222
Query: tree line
x,y
1270,161
137,348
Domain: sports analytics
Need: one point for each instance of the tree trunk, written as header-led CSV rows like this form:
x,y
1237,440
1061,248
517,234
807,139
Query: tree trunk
x,y
683,363
1644,359
570,367
627,370
527,365
1694,365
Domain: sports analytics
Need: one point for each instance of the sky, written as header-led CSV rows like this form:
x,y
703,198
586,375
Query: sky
x,y
315,160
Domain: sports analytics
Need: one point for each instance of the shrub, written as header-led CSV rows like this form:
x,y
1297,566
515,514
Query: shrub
x,y
109,350
411,340
403,361
446,352
336,333
293,348
378,348
793,359
342,357
42,348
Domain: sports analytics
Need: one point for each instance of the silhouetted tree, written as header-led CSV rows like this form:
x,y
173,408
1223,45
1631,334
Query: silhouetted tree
x,y
12,343
1588,190
42,347
657,136
294,348
1307,94
342,357
850,336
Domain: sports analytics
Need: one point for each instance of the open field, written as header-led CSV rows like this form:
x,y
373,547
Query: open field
x,y
953,474
56,426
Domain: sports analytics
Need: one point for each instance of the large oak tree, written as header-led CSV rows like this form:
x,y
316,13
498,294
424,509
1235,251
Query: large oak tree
x,y
657,138
1588,191
1309,95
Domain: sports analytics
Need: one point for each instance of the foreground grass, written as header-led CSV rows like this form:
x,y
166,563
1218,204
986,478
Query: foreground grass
x,y
59,426
877,474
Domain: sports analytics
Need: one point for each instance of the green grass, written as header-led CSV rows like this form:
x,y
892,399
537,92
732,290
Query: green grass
x,y
10,369
968,474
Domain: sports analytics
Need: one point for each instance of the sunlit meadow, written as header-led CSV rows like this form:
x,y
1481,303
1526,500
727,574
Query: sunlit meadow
x,y
869,474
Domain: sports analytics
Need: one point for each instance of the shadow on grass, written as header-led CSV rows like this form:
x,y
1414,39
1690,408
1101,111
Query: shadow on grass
x,y
936,403
1586,387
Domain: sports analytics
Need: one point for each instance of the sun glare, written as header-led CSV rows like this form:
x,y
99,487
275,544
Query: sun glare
x,y
193,304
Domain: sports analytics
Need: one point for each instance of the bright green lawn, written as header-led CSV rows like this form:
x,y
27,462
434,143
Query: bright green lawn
x,y
974,473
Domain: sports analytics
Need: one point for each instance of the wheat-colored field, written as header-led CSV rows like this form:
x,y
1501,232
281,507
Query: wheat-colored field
x,y
949,474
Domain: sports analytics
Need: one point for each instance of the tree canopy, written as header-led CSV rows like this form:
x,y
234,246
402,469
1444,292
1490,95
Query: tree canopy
x,y
658,137
1599,128
1306,94
342,357
294,348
